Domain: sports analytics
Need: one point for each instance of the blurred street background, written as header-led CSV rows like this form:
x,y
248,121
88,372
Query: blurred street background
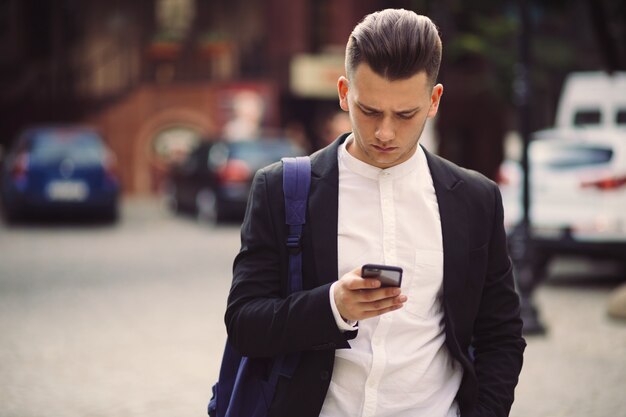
x,y
130,131
127,320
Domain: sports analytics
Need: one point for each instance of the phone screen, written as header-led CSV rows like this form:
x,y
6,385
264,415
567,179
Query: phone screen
x,y
389,276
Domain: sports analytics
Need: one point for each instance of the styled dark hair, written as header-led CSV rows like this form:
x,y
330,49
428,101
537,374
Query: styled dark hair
x,y
396,44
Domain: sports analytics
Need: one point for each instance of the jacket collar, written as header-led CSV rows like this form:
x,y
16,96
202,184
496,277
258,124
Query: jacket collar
x,y
323,207
324,162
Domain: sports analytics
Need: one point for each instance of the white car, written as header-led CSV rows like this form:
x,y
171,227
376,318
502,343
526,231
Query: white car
x,y
593,99
577,193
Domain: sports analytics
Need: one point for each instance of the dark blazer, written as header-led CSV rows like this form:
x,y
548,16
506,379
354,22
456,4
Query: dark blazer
x,y
481,307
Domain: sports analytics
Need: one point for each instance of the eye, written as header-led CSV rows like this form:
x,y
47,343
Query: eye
x,y
406,116
368,112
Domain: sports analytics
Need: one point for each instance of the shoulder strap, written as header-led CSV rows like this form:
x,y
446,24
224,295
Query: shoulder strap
x,y
238,374
296,183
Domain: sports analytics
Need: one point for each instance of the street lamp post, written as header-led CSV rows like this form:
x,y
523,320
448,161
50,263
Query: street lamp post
x,y
520,241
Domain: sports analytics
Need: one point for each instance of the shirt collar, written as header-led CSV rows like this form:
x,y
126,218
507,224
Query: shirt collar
x,y
369,171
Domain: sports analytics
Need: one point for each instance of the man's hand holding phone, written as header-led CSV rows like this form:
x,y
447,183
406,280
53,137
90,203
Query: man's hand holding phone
x,y
360,294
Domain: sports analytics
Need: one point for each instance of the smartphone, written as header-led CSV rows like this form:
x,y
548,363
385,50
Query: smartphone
x,y
389,276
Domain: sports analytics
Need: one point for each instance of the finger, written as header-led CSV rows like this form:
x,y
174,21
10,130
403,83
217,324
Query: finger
x,y
368,295
358,282
374,313
354,282
363,284
362,310
383,304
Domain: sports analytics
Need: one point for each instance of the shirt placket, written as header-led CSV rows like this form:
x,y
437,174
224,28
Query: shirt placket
x,y
379,335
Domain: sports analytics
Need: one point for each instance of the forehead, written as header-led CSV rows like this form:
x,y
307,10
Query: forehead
x,y
371,89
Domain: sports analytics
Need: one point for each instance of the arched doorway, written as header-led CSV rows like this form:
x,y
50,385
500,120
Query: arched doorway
x,y
164,139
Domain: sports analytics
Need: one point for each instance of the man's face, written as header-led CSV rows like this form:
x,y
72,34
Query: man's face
x,y
387,116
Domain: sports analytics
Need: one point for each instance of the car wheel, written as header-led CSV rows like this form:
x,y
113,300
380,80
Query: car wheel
x,y
111,214
206,205
10,213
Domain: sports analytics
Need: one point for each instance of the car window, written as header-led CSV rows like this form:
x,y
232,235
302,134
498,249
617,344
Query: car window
x,y
569,156
587,117
620,117
218,155
82,148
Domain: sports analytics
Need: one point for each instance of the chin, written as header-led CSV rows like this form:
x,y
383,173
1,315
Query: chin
x,y
384,162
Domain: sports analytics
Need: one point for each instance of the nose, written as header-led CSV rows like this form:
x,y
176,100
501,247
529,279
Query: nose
x,y
385,131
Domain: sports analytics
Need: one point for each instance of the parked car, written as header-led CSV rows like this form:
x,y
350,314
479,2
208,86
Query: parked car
x,y
59,170
214,180
577,193
593,99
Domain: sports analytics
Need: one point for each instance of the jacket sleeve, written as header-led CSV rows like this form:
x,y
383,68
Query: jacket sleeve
x,y
261,319
497,340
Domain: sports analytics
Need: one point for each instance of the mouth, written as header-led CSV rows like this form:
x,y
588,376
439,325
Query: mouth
x,y
384,149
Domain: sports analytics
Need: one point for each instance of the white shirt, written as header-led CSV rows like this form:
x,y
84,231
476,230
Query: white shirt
x,y
398,364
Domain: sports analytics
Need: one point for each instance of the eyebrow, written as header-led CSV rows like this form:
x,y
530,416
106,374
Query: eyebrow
x,y
374,110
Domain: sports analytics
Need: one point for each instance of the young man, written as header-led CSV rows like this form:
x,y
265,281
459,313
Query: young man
x,y
448,342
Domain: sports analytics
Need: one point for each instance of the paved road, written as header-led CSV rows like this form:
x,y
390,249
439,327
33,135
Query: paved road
x,y
126,320
112,321
578,368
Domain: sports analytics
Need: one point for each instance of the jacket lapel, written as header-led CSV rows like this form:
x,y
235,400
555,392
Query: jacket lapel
x,y
454,227
323,208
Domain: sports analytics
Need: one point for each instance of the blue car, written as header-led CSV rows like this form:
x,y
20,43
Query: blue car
x,y
64,170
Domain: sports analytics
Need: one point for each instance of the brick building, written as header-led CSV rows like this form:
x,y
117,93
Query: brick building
x,y
156,76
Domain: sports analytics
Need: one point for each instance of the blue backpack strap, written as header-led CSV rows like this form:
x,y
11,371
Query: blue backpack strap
x,y
238,391
296,183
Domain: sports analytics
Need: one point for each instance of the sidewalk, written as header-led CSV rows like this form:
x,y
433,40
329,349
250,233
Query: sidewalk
x,y
578,369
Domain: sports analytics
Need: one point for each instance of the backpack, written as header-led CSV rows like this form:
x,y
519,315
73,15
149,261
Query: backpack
x,y
242,390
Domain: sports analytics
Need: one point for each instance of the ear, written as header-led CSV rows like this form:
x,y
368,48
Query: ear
x,y
342,89
435,98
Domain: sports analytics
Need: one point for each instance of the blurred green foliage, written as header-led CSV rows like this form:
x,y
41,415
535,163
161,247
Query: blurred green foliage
x,y
482,37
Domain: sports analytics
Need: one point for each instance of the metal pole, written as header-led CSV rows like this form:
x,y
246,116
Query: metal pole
x,y
520,240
